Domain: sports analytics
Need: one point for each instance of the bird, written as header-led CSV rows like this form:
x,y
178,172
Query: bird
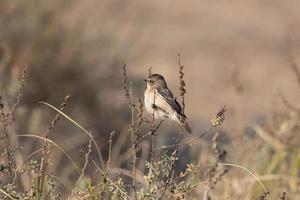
x,y
160,102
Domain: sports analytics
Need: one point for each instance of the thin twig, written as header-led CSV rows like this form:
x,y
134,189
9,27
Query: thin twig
x,y
215,122
189,142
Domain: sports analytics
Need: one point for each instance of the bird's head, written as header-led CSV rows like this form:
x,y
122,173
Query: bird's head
x,y
156,81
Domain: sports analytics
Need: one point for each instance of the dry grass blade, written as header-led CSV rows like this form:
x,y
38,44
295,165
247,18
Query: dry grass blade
x,y
45,158
247,170
78,170
58,147
79,126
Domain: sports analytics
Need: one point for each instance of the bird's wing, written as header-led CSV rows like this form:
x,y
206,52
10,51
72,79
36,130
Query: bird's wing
x,y
168,96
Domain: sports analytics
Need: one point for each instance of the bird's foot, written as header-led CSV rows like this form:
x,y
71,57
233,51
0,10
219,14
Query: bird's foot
x,y
154,106
154,129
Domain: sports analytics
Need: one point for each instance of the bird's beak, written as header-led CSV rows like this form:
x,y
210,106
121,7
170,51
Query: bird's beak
x,y
146,80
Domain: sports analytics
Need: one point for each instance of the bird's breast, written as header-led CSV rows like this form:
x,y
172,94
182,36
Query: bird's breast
x,y
164,110
149,100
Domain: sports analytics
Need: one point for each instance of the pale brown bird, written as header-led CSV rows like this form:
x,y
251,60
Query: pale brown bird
x,y
160,102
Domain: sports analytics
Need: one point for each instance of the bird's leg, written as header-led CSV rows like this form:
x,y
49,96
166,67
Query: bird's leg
x,y
152,132
155,107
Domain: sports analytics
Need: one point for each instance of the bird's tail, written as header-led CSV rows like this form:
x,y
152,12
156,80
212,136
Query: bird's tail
x,y
183,122
186,126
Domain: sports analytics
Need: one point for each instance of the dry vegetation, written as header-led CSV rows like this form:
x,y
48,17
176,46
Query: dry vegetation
x,y
72,122
150,172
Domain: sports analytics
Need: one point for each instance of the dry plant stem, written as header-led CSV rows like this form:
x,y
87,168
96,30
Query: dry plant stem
x,y
14,154
19,159
126,86
216,121
133,145
78,170
152,147
87,154
135,137
182,83
10,157
152,128
5,122
20,91
46,146
190,142
107,170
52,185
109,151
213,175
173,160
175,152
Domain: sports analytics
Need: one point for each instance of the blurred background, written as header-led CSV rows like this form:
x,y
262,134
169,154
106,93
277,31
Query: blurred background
x,y
235,53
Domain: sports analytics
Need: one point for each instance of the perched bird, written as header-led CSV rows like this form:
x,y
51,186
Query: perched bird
x,y
160,102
